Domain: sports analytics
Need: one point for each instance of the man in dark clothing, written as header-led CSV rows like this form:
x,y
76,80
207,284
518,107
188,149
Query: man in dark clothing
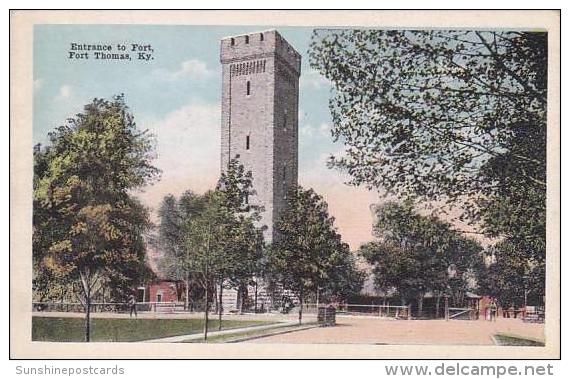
x,y
132,305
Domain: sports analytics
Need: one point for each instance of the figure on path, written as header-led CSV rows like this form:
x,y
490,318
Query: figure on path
x,y
493,308
132,305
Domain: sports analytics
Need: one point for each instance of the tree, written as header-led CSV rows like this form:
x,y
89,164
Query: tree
x,y
88,230
243,247
308,253
345,278
212,238
415,254
510,278
199,240
453,116
175,259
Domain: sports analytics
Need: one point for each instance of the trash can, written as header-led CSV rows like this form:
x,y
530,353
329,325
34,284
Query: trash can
x,y
326,316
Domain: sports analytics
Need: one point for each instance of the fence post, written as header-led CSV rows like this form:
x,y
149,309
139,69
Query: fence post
x,y
409,311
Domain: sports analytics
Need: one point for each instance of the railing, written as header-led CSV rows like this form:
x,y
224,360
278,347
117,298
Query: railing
x,y
391,311
158,307
534,316
462,314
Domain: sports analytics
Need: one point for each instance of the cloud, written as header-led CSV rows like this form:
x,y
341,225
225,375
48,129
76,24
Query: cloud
x,y
192,68
310,130
65,92
313,80
306,130
188,149
325,129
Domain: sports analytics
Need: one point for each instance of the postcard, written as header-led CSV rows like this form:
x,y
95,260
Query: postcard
x,y
207,184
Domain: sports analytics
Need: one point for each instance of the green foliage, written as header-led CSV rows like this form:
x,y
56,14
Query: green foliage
x,y
308,253
173,213
88,229
213,235
451,116
422,111
345,278
212,239
415,254
242,242
511,278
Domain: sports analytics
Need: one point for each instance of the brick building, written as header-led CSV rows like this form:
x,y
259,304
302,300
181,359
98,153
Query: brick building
x,y
161,291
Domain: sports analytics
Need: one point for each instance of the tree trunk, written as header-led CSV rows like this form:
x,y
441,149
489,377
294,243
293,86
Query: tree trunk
x,y
437,300
206,302
420,306
301,308
216,304
187,299
220,305
207,283
88,319
86,285
255,302
242,295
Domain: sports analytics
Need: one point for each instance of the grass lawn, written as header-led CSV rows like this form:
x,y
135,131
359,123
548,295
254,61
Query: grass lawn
x,y
509,340
70,329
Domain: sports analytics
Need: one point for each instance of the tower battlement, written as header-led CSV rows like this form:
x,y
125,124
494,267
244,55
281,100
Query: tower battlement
x,y
259,45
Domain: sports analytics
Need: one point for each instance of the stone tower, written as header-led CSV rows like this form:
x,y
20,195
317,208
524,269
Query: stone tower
x,y
260,101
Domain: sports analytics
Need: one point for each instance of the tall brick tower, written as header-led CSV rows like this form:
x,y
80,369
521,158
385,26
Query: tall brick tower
x,y
260,101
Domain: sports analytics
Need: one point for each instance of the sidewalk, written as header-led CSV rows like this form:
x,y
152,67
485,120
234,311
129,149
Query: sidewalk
x,y
199,336
351,330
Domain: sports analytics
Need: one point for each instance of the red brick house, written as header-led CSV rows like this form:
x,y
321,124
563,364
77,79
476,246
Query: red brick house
x,y
161,291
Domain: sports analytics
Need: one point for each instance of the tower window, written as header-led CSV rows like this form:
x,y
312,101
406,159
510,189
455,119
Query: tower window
x,y
248,89
261,36
246,39
247,142
233,42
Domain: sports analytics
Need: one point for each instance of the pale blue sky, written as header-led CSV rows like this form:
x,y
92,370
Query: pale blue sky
x,y
177,96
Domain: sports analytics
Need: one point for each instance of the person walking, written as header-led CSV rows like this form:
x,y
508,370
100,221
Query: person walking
x,y
132,305
493,308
